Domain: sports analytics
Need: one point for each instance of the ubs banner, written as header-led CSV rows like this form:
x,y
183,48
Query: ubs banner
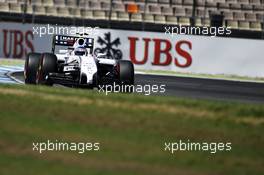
x,y
147,50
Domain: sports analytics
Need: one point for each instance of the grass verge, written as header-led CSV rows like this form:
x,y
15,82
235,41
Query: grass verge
x,y
131,130
209,76
11,62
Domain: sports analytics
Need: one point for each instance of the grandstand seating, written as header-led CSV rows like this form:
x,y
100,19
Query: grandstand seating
x,y
238,14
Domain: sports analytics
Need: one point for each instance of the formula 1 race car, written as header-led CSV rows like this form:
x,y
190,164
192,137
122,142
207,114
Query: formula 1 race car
x,y
76,65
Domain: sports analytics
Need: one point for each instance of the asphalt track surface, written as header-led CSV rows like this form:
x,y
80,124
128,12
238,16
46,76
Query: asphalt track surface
x,y
199,88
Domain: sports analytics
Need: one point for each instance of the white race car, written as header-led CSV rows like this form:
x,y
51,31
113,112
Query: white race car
x,y
76,65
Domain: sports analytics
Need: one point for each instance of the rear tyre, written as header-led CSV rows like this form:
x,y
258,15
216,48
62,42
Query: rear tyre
x,y
48,64
31,67
126,74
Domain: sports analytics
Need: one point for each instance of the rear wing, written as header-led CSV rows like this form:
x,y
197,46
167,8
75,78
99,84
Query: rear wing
x,y
64,40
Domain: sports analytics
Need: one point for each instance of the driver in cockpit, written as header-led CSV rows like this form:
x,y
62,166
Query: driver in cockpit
x,y
80,51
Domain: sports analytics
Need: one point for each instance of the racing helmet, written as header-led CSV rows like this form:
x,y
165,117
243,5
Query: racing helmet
x,y
80,51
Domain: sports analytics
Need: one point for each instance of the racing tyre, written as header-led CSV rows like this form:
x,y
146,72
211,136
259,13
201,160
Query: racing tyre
x,y
48,64
126,74
31,67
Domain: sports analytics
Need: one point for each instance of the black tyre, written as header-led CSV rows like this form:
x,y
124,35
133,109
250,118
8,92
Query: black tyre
x,y
126,74
48,64
31,67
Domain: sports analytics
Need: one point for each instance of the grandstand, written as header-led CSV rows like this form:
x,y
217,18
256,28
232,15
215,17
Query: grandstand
x,y
238,14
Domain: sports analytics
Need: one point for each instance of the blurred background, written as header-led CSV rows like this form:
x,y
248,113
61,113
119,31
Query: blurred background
x,y
245,17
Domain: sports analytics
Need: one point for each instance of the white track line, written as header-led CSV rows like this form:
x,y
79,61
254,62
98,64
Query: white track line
x,y
6,77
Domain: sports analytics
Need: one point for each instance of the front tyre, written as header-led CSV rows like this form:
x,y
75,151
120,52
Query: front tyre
x,y
31,67
48,64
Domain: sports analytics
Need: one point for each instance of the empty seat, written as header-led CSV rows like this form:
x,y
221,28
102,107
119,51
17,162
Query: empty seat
x,y
63,11
11,1
223,5
152,1
176,2
39,10
105,6
188,12
187,7
235,6
179,11
60,3
71,3
4,7
87,14
258,8
95,5
160,19
206,22
148,18
51,10
123,16
202,2
260,17
141,8
48,3
243,1
98,14
15,8
113,15
232,24
198,22
184,21
128,1
188,2
228,15
211,10
231,1
75,12
164,1
244,25
109,1
27,8
200,13
140,1
154,9
36,2
209,3
82,3
255,26
118,7
255,2
250,17
136,17
239,16
171,20
222,1
166,11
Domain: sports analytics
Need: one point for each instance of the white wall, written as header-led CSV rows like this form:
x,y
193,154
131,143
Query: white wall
x,y
195,54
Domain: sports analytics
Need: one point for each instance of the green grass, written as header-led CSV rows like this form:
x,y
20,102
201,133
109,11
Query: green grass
x,y
131,130
210,76
11,62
